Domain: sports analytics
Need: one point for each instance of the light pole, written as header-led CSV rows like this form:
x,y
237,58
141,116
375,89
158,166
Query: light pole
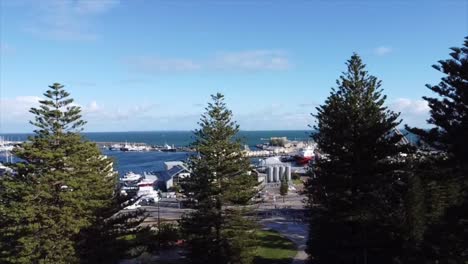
x,y
159,222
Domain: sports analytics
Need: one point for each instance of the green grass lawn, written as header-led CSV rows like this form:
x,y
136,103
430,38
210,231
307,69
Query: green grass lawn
x,y
297,182
274,248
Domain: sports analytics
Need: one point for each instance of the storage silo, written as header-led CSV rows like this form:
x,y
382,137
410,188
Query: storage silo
x,y
275,174
282,170
288,173
270,174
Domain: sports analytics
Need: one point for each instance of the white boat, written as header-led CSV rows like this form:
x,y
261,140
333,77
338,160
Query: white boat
x,y
140,148
168,148
126,147
130,147
6,148
131,176
115,147
6,145
305,155
146,194
146,190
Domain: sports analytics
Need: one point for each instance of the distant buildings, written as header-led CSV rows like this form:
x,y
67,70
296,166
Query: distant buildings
x,y
175,171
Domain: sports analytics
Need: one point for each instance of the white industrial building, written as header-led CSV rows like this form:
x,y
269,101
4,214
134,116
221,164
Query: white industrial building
x,y
274,170
174,171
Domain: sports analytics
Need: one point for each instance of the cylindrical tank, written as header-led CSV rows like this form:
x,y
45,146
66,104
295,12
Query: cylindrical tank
x,y
270,174
282,173
276,174
288,173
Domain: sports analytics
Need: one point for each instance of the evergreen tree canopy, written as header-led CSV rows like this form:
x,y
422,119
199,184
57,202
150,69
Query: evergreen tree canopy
x,y
220,186
354,183
62,187
284,188
445,239
449,111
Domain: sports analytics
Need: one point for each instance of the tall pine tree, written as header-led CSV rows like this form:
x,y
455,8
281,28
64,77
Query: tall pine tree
x,y
446,238
354,195
62,187
221,187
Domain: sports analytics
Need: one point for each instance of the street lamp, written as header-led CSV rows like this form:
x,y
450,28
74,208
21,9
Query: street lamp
x,y
159,221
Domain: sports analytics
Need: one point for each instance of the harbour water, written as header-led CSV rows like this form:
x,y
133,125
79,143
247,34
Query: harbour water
x,y
177,138
150,161
154,161
140,162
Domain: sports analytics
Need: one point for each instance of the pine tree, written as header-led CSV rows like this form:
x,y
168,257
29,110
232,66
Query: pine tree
x,y
114,235
284,188
445,239
61,187
354,185
449,112
221,187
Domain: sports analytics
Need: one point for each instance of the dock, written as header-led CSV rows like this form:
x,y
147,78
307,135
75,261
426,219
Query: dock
x,y
261,153
139,146
110,143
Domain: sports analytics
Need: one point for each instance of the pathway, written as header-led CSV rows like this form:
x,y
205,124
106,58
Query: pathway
x,y
295,231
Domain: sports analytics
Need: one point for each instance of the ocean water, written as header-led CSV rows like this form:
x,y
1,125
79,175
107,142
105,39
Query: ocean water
x,y
154,161
177,138
140,162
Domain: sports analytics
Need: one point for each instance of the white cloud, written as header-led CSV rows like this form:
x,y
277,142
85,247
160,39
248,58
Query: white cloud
x,y
253,60
18,107
94,6
413,112
66,19
92,107
15,115
411,106
274,117
14,112
383,50
154,64
93,112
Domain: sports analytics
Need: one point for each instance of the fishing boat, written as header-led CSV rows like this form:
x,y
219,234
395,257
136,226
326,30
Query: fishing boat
x,y
168,148
131,176
305,155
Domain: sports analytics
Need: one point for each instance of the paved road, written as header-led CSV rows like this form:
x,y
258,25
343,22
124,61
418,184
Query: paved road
x,y
285,217
288,220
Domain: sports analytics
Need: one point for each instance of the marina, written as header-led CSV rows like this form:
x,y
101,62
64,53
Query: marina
x,y
141,147
150,174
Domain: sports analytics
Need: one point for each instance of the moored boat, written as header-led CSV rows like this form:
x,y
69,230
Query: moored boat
x,y
305,155
131,176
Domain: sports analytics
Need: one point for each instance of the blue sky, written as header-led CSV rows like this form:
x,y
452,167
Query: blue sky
x,y
152,65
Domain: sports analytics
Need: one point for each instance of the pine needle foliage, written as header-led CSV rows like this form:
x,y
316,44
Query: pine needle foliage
x,y
284,188
449,111
354,185
446,236
61,187
221,188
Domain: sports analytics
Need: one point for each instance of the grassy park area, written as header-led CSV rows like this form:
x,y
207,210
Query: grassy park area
x,y
274,248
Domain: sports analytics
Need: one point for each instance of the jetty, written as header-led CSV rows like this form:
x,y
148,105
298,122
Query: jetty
x,y
140,147
110,143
